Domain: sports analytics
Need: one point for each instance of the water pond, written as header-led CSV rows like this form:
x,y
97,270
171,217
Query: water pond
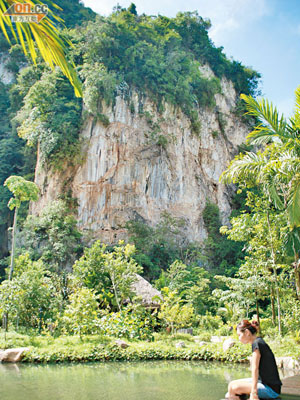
x,y
119,381
112,381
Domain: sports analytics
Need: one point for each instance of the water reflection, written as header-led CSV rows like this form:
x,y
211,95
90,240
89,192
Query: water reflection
x,y
155,380
111,381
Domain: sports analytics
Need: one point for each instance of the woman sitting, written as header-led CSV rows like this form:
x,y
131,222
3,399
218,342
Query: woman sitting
x,y
265,382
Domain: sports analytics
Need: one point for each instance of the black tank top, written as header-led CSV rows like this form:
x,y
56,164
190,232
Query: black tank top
x,y
268,372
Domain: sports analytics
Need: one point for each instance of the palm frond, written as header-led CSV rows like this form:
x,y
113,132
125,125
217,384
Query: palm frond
x,y
50,42
295,120
278,203
294,203
290,165
292,241
244,168
271,124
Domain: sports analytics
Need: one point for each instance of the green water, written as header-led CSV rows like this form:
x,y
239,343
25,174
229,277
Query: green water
x,y
112,381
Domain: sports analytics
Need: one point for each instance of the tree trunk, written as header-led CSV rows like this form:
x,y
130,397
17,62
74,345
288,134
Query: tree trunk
x,y
13,245
278,310
115,291
275,274
297,277
273,306
278,302
257,312
12,261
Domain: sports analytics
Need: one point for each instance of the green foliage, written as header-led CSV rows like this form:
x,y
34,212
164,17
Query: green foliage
x,y
10,160
275,169
73,12
241,295
14,158
90,268
222,122
80,315
132,322
209,322
53,236
136,351
173,312
264,269
16,59
103,118
30,296
98,84
132,9
291,314
51,116
158,247
223,256
22,190
160,56
191,282
47,349
4,45
110,274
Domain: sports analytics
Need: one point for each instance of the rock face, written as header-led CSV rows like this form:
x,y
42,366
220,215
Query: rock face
x,y
228,343
288,363
128,175
5,76
121,343
180,345
12,355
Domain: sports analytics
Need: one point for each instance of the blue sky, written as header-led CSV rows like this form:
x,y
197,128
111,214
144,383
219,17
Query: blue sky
x,y
262,34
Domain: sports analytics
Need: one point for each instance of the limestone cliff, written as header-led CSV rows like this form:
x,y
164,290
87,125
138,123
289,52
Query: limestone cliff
x,y
128,175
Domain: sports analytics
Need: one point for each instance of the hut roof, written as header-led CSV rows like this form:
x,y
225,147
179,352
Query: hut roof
x,y
150,296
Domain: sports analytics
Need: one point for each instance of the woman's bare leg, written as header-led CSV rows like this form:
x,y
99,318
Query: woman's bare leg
x,y
238,387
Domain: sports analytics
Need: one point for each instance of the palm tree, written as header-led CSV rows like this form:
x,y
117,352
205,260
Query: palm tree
x,y
22,190
276,169
50,42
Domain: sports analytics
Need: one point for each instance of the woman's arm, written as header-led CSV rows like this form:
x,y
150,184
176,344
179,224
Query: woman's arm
x,y
254,364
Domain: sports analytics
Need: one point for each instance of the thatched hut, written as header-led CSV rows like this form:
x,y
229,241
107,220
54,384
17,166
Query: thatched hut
x,y
150,296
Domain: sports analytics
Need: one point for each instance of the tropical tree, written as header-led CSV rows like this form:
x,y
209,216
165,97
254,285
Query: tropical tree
x,y
31,295
110,274
191,282
48,39
122,270
80,315
276,169
173,312
22,190
244,291
261,230
53,236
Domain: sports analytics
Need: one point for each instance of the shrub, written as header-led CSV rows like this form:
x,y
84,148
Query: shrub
x,y
209,322
30,296
109,273
80,315
135,352
132,322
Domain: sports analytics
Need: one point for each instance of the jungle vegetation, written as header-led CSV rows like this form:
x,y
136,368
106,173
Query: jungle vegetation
x,y
253,269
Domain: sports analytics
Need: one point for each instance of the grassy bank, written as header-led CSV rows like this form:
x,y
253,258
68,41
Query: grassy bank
x,y
98,348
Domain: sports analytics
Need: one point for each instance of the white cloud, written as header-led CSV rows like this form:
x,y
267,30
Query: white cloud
x,y
230,16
